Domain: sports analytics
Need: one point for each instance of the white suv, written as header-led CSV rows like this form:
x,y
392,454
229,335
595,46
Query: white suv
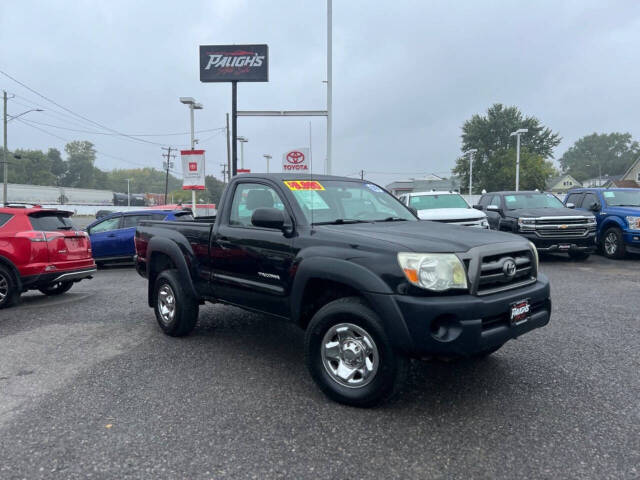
x,y
442,206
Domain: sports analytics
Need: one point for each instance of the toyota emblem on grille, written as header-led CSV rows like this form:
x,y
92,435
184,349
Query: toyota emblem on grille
x,y
509,268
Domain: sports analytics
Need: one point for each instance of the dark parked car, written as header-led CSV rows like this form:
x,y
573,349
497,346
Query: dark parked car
x,y
543,219
348,262
112,235
617,212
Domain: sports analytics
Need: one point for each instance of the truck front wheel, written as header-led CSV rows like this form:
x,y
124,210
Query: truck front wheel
x,y
613,244
350,356
176,308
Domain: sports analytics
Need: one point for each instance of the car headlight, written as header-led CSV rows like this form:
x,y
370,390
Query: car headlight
x,y
535,254
634,222
433,271
526,223
592,220
484,223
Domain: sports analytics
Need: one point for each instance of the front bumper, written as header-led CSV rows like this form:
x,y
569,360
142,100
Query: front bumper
x,y
560,244
632,241
44,279
466,324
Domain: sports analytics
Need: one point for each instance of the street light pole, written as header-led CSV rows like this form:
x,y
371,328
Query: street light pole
x,y
5,164
193,105
242,141
470,152
268,157
128,193
329,85
517,133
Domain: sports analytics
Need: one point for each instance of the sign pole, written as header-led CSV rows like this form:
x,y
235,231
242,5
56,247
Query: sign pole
x,y
234,127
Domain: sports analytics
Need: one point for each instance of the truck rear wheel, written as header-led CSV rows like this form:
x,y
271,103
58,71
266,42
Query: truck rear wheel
x,y
350,356
176,309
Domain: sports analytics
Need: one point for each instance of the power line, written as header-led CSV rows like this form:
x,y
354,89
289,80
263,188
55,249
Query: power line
x,y
76,114
97,151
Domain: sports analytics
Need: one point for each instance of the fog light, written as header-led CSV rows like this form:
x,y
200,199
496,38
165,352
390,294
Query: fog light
x,y
49,268
445,328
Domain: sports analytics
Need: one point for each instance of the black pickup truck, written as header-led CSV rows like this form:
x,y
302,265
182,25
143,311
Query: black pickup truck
x,y
542,219
346,261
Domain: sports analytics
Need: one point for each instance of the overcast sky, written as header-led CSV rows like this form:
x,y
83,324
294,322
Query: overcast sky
x,y
407,74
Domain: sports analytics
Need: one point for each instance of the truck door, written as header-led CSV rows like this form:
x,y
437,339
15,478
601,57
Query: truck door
x,y
251,265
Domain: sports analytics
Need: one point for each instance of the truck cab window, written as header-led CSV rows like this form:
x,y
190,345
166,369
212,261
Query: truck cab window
x,y
250,196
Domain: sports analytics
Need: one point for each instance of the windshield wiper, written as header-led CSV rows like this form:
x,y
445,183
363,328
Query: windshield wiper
x,y
64,228
341,221
392,219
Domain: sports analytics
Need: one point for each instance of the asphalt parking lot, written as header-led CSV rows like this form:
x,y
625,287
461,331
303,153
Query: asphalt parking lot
x,y
90,388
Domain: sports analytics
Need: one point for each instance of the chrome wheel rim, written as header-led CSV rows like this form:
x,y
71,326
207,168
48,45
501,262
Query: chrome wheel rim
x,y
166,304
350,355
611,243
4,288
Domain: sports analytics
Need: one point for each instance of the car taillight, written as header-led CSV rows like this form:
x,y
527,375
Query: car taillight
x,y
52,235
33,236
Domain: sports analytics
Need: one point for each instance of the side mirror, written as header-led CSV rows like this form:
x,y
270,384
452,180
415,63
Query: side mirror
x,y
594,207
493,208
570,205
477,207
268,218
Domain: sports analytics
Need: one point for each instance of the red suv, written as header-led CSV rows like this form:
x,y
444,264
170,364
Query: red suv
x,y
40,249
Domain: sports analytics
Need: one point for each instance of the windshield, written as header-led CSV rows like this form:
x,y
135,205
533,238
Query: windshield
x,y
622,198
445,200
532,200
333,201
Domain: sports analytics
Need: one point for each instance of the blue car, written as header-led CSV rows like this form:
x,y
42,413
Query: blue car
x,y
617,211
112,235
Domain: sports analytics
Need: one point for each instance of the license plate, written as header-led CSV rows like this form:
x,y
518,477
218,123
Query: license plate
x,y
520,311
564,246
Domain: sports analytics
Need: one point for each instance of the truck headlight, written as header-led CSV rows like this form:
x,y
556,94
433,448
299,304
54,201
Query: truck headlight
x,y
526,223
484,223
592,220
634,222
433,271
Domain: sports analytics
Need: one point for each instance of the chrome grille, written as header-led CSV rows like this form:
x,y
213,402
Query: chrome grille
x,y
492,277
564,232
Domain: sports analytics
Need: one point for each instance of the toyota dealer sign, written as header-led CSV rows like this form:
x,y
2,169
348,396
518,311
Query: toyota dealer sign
x,y
296,160
193,169
234,63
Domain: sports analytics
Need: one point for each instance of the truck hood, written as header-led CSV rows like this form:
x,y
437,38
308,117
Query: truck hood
x,y
546,212
451,214
422,236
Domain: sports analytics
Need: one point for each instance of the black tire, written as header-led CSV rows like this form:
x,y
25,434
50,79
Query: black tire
x,y
8,288
579,255
100,265
391,371
485,353
185,306
616,248
57,288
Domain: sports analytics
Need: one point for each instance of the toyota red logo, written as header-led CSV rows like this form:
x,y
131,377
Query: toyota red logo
x,y
193,166
295,157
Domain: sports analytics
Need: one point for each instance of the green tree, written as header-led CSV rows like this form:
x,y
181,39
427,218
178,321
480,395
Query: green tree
x,y
81,157
490,134
214,189
58,165
31,167
606,153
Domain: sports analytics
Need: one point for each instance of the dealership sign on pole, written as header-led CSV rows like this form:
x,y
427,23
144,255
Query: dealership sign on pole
x,y
193,169
296,160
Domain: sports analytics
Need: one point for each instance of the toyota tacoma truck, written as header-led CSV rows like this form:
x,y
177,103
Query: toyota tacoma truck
x,y
345,260
542,219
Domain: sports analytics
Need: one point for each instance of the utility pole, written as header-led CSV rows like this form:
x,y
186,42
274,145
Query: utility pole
x,y
224,171
167,166
329,86
361,174
228,150
128,193
5,162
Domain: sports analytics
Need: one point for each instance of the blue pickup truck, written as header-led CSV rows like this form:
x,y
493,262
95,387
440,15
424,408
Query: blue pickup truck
x,y
112,235
617,211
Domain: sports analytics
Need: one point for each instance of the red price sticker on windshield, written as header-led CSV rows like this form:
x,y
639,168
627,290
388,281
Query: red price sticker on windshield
x,y
304,185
